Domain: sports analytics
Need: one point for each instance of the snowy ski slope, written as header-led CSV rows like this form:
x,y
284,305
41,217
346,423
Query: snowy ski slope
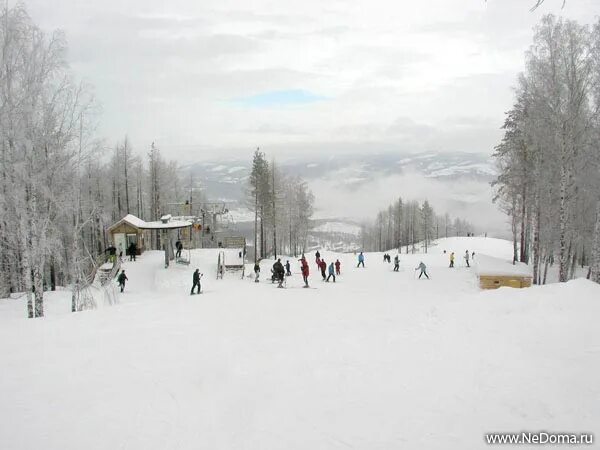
x,y
376,361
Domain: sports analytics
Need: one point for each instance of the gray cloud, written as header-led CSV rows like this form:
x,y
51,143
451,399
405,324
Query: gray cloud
x,y
396,74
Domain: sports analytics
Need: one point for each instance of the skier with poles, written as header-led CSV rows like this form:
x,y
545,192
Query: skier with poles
x,y
121,279
196,281
423,268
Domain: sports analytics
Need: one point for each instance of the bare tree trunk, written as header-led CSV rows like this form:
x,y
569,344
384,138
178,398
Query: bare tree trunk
x,y
563,213
125,163
595,263
523,219
256,258
274,211
536,241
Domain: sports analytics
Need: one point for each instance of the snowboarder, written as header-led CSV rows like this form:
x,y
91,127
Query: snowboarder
x,y
396,263
423,268
467,258
288,271
256,271
452,259
305,270
121,279
323,267
331,272
278,273
196,281
361,260
337,266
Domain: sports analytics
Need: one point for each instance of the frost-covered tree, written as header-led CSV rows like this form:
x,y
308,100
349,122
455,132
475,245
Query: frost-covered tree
x,y
59,187
406,224
548,157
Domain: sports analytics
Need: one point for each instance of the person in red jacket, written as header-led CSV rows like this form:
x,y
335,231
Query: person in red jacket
x,y
304,268
337,266
323,267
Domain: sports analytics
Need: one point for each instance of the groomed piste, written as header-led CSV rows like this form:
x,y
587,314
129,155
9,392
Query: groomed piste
x,y
378,360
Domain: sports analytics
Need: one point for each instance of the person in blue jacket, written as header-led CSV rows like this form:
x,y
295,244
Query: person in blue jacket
x,y
331,272
361,260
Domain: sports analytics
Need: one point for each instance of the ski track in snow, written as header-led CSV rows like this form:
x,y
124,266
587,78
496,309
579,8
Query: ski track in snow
x,y
378,360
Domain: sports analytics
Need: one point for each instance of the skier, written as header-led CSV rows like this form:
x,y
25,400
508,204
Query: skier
x,y
323,268
396,263
423,268
288,271
467,258
196,281
278,273
452,259
361,260
305,271
385,257
337,266
256,271
121,279
331,272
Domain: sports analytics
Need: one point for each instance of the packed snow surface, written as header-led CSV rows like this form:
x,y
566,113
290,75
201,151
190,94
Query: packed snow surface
x,y
377,360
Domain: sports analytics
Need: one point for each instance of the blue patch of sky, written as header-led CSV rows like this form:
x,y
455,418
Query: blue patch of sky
x,y
275,99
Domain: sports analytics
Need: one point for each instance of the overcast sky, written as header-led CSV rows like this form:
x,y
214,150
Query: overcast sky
x,y
203,78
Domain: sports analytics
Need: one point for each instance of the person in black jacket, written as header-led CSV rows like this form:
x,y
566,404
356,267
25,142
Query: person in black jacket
x,y
278,272
121,279
288,269
196,281
256,271
132,251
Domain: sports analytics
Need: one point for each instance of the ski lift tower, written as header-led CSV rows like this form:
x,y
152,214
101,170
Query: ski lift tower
x,y
216,222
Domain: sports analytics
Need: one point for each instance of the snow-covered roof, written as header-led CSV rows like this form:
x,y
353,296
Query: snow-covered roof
x,y
490,266
156,225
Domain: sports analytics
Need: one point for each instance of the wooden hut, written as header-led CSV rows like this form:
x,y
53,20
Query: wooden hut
x,y
128,230
133,229
494,273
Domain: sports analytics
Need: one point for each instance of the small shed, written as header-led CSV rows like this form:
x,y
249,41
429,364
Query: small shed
x,y
133,229
495,272
128,230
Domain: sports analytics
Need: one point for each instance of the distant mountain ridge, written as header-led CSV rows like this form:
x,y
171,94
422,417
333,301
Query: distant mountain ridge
x,y
226,179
